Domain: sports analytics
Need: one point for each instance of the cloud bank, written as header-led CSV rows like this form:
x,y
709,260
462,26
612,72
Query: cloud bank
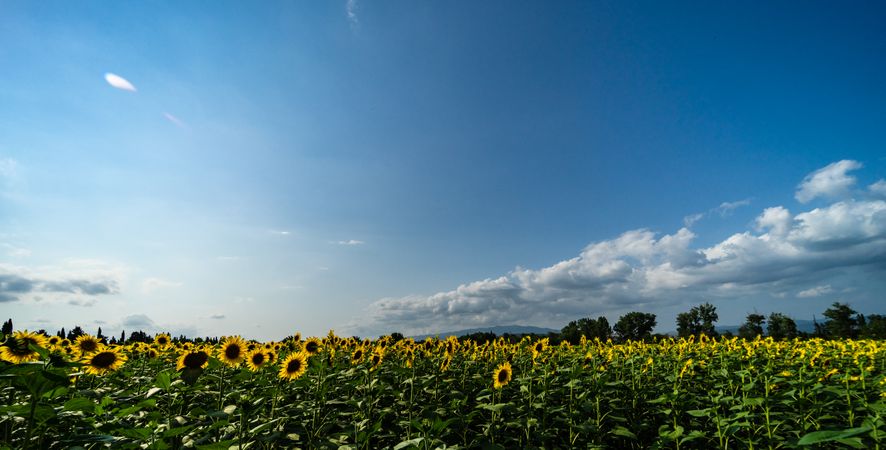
x,y
643,270
91,279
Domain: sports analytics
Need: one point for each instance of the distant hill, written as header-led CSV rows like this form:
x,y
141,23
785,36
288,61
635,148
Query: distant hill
x,y
499,330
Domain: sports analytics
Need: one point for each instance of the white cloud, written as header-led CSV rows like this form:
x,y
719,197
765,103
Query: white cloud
x,y
279,232
816,291
174,120
690,220
641,270
351,9
16,252
150,285
726,208
878,188
57,283
350,242
119,82
217,316
8,167
831,181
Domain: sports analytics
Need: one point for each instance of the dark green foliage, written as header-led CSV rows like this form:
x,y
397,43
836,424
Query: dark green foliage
x,y
781,327
752,327
589,328
699,320
635,326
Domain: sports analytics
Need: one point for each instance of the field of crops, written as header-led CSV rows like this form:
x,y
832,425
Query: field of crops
x,y
346,393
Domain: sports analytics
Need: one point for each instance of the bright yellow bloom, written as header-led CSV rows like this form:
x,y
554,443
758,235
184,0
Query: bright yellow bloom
x,y
256,359
86,344
17,349
232,351
196,358
294,366
502,375
104,360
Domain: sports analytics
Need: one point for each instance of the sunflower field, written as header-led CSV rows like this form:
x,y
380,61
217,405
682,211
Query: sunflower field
x,y
342,393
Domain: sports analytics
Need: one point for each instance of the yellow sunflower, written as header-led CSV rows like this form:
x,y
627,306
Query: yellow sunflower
x,y
86,344
17,350
196,358
162,340
104,360
313,346
377,356
54,342
233,351
444,365
272,356
357,356
256,359
502,375
293,366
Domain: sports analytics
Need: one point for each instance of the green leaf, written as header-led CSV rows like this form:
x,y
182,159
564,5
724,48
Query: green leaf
x,y
409,443
624,432
816,437
80,404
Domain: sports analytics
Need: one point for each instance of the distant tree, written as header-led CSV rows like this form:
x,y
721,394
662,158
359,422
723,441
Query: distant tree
x,y
699,320
841,323
395,336
99,335
7,327
61,333
874,327
122,336
587,327
75,333
781,327
635,326
752,327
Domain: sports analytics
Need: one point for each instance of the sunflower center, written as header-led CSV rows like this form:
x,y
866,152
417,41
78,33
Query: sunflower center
x,y
502,376
258,358
20,347
88,345
293,366
232,352
311,347
103,360
195,360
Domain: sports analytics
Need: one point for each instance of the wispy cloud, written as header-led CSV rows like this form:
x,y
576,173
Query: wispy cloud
x,y
724,210
351,10
14,251
641,269
174,120
280,232
831,181
217,316
119,82
816,291
57,283
151,285
350,242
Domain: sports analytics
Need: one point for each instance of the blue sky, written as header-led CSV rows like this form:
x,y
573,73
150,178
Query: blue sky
x,y
426,166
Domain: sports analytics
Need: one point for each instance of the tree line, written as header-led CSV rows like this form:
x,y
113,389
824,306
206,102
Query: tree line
x,y
842,322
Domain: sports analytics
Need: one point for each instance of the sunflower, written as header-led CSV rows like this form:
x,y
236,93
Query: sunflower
x,y
54,342
293,366
104,360
17,348
152,353
86,344
313,346
162,340
502,376
256,359
272,356
357,356
233,351
193,359
444,365
377,356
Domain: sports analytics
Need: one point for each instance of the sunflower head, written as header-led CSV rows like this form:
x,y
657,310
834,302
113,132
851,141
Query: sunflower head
x,y
313,346
444,365
256,359
358,355
54,341
162,340
86,344
377,356
104,360
293,366
17,348
502,375
232,351
196,358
